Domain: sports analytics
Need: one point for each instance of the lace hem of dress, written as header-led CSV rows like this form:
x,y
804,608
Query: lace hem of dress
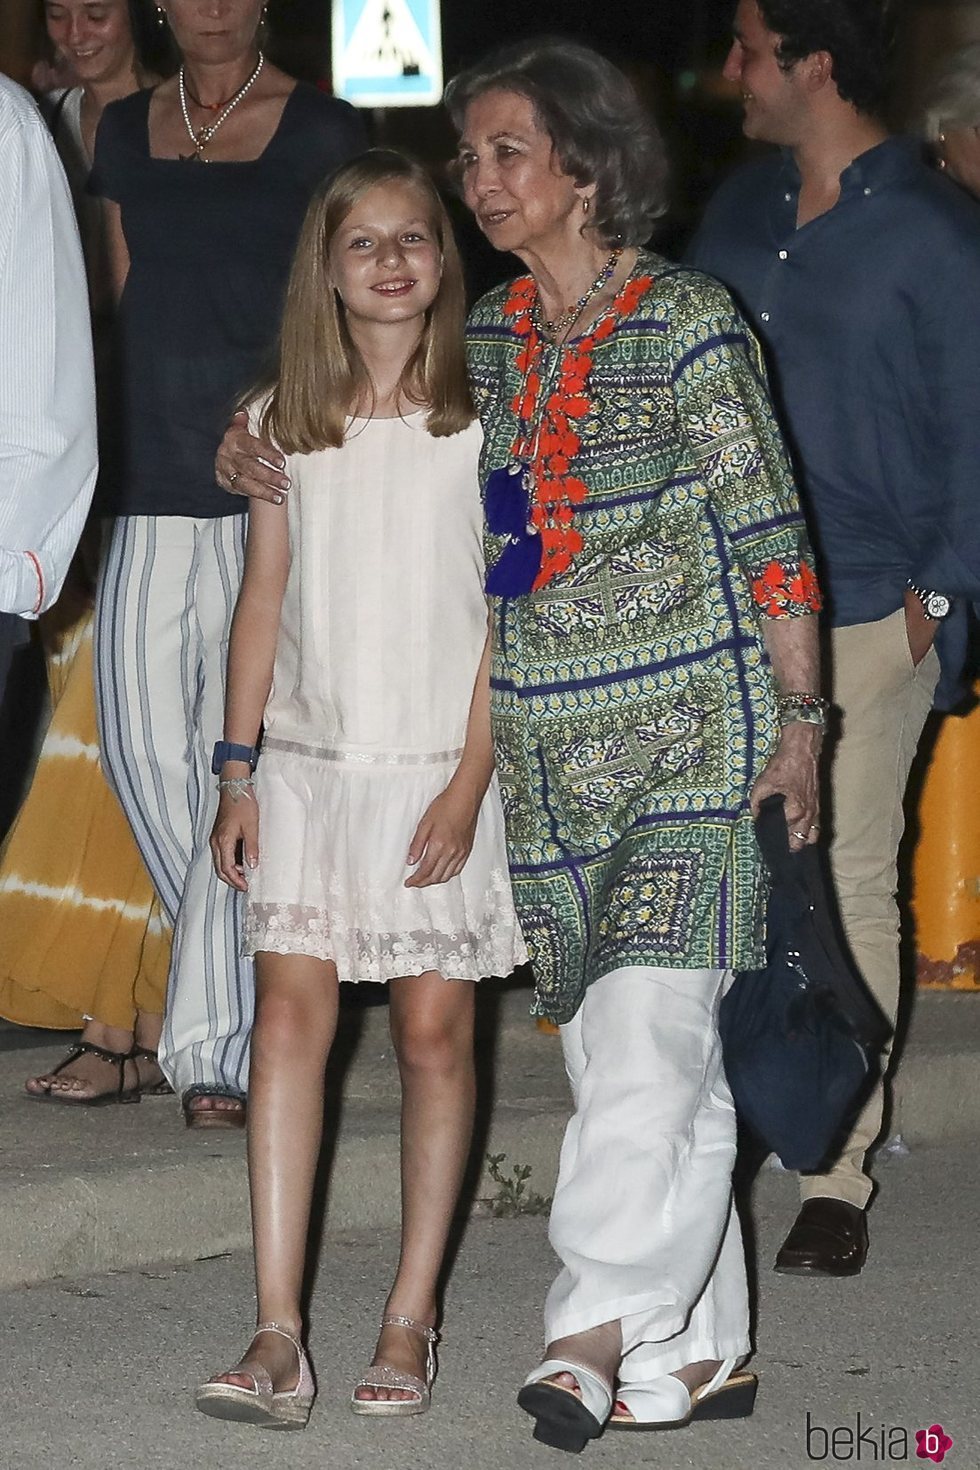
x,y
375,956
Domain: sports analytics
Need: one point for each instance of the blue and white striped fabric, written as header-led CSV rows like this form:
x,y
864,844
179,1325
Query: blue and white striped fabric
x,y
165,603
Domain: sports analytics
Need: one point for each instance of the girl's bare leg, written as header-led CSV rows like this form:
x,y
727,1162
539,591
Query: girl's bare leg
x,y
432,1029
295,1024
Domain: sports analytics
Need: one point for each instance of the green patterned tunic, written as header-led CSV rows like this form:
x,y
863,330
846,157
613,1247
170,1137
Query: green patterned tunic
x,y
633,704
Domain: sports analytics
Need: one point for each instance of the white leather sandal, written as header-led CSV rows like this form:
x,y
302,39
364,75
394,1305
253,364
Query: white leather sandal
x,y
381,1375
261,1404
566,1420
665,1403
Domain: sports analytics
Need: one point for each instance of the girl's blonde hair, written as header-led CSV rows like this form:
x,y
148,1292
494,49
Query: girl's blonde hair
x,y
321,374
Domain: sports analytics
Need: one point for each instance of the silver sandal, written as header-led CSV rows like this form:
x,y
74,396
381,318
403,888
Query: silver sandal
x,y
383,1376
261,1405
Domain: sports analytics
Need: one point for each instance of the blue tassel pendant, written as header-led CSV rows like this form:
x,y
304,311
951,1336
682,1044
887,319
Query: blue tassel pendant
x,y
507,500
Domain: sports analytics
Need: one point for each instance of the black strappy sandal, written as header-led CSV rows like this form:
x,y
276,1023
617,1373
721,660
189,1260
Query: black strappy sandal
x,y
155,1089
121,1094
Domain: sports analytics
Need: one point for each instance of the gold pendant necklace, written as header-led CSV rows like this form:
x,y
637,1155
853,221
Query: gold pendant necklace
x,y
569,317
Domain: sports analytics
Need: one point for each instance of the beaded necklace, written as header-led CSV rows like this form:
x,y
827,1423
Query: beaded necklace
x,y
570,316
531,500
203,136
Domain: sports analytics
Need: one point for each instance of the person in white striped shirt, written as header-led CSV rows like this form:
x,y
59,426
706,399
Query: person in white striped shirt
x,y
48,457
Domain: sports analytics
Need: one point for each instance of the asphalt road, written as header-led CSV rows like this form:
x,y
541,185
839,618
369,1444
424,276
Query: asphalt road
x,y
99,1372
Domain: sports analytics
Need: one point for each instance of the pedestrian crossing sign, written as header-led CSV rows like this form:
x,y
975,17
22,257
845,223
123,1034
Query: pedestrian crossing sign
x,y
387,53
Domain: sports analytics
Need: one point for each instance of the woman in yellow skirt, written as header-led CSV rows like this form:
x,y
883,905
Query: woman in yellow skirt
x,y
83,942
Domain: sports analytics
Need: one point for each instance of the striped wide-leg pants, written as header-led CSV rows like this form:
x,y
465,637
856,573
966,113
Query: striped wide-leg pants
x,y
165,602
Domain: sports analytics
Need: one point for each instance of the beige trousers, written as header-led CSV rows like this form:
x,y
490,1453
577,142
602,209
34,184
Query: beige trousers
x,y
884,699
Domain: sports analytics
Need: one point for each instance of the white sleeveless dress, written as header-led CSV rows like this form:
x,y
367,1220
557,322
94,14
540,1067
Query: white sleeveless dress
x,y
383,626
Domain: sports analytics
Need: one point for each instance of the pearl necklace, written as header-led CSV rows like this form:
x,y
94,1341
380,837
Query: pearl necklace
x,y
569,317
203,137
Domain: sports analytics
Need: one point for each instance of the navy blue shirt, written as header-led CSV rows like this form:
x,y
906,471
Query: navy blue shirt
x,y
210,249
870,315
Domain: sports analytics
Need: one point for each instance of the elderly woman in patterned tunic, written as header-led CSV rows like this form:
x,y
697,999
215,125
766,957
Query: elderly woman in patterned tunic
x,y
655,647
655,675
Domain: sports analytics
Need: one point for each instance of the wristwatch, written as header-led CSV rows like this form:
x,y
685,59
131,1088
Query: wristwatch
x,y
224,750
935,605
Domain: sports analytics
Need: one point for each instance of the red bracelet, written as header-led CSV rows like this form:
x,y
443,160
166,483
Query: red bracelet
x,y
40,582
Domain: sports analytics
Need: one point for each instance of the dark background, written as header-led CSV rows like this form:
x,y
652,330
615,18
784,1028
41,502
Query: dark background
x,y
672,50
674,30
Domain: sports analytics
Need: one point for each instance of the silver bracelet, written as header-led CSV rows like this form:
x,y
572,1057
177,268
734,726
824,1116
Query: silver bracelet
x,y
803,708
238,786
802,716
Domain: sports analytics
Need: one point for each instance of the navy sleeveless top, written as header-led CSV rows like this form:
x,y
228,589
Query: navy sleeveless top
x,y
210,250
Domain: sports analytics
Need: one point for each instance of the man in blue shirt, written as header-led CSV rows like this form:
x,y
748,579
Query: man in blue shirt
x,y
860,269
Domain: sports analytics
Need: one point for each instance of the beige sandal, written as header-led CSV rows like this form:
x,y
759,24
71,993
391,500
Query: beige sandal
x,y
260,1404
380,1375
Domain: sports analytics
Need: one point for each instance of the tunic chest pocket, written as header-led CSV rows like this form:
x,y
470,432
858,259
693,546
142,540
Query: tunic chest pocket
x,y
640,593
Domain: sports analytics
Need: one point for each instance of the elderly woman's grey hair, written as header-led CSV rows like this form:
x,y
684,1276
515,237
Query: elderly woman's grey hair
x,y
601,132
953,97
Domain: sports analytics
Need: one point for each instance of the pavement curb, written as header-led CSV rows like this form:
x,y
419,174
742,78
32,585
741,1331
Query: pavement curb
x,y
120,1188
117,1218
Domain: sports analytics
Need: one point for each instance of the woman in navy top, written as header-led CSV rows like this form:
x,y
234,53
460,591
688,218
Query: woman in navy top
x,y
206,180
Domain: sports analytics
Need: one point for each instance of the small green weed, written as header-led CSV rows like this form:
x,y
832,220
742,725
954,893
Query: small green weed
x,y
513,1196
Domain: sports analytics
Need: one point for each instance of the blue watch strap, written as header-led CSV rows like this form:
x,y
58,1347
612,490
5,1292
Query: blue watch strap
x,y
224,750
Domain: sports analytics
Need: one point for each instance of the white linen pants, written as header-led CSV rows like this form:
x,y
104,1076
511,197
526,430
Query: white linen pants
x,y
165,602
643,1220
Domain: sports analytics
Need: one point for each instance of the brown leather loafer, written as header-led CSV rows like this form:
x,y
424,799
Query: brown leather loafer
x,y
829,1238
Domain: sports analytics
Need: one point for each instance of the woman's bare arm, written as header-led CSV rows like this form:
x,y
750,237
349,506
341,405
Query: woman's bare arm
x,y
116,246
793,647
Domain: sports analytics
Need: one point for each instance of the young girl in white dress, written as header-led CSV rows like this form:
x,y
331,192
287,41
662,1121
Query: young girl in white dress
x,y
370,840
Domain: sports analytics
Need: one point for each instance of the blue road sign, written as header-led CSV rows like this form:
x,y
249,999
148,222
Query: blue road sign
x,y
387,53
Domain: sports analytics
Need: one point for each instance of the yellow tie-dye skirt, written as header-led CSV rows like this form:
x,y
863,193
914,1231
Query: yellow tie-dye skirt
x,y
81,930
